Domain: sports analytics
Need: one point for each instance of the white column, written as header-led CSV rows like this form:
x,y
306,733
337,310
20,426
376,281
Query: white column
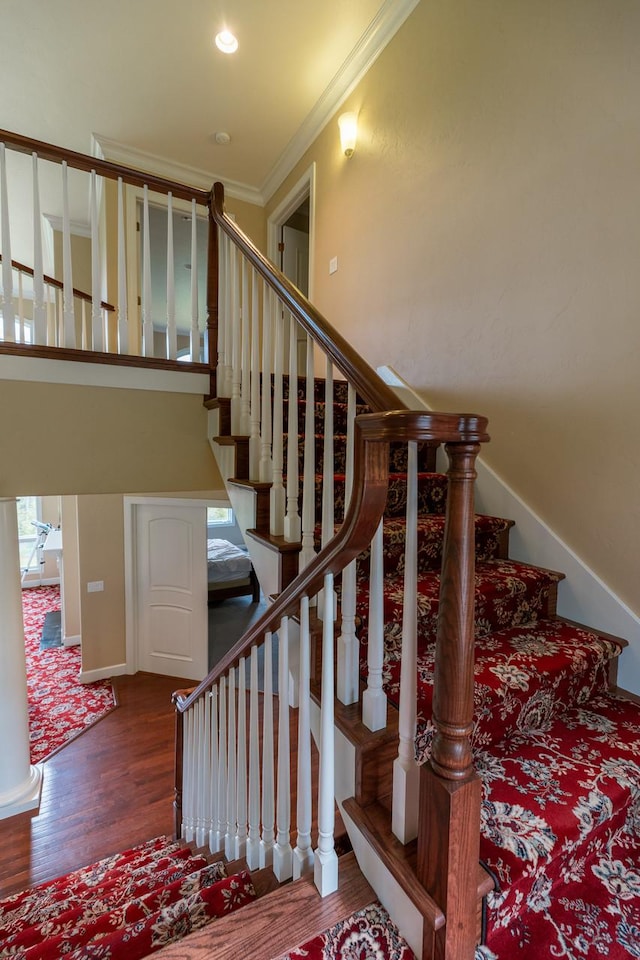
x,y
20,783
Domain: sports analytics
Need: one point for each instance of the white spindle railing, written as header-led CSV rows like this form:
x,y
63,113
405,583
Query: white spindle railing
x,y
266,461
147,305
68,337
8,312
308,551
232,783
292,523
267,841
277,504
172,330
374,699
348,672
253,834
194,339
236,343
123,307
241,765
303,858
39,305
97,332
254,413
245,355
282,853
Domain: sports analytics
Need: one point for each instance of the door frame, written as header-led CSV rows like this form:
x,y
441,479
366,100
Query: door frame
x,y
305,187
131,599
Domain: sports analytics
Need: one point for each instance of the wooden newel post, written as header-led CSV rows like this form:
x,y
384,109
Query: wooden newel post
x,y
450,790
178,776
213,282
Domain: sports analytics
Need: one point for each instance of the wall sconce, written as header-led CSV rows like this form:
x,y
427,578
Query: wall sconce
x,y
348,123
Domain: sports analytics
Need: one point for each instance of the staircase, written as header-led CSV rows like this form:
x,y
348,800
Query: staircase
x,y
555,746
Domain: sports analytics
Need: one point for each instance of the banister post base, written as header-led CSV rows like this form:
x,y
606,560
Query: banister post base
x,y
448,855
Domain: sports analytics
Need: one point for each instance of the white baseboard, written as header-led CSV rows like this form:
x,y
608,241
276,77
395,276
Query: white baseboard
x,y
103,673
582,596
36,582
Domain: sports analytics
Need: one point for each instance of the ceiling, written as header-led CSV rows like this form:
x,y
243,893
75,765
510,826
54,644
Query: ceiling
x,y
145,74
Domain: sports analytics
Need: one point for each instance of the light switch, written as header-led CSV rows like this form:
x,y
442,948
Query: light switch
x,y
95,586
333,264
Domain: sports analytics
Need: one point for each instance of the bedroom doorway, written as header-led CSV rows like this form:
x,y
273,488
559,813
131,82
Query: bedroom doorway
x,y
166,586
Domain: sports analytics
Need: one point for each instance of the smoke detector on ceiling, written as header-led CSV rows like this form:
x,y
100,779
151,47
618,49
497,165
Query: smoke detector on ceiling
x,y
222,137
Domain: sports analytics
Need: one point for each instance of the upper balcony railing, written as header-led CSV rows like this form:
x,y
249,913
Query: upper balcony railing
x,y
82,222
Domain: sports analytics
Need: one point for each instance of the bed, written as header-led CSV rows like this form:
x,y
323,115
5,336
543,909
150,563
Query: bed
x,y
230,572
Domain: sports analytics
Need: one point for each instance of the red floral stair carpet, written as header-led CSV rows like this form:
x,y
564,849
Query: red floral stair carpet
x,y
126,906
369,934
60,707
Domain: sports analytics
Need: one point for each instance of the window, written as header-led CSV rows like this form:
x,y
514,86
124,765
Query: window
x,y
219,516
28,517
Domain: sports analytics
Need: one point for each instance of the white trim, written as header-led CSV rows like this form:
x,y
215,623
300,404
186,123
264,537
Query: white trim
x,y
37,582
72,641
129,505
26,796
305,187
77,228
384,26
43,370
583,595
171,169
103,673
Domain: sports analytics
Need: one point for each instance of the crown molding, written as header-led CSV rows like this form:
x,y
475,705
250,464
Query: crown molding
x,y
118,152
384,26
78,228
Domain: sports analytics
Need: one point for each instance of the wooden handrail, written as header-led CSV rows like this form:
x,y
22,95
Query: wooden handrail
x,y
52,282
348,361
373,433
106,168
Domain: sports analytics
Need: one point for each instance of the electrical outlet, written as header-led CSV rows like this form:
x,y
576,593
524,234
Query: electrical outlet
x,y
95,586
333,265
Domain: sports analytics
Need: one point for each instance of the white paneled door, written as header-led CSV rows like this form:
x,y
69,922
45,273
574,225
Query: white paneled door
x,y
171,582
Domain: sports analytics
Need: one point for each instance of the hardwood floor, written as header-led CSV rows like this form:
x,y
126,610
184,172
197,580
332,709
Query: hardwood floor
x,y
110,788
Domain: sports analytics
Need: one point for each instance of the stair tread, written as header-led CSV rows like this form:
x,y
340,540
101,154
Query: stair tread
x,y
549,794
277,922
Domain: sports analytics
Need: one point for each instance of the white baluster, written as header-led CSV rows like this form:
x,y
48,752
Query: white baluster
x,y
253,839
51,317
206,771
348,679
8,310
282,853
97,332
21,337
199,771
229,319
223,307
406,773
84,325
309,473
245,364
241,780
266,462
172,331
222,766
147,319
303,858
230,836
374,699
325,871
123,321
236,346
328,605
69,322
39,306
187,832
268,785
59,318
292,523
254,414
277,502
215,772
195,314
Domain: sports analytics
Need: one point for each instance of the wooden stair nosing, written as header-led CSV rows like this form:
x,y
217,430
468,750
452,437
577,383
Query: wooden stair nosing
x,y
277,544
278,921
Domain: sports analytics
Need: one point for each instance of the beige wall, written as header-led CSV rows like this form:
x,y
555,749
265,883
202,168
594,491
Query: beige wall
x,y
251,219
490,218
76,439
101,556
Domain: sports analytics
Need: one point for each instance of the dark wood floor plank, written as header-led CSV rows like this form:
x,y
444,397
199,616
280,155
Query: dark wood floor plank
x,y
110,788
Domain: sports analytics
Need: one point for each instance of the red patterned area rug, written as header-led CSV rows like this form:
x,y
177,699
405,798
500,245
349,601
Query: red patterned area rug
x,y
60,707
369,934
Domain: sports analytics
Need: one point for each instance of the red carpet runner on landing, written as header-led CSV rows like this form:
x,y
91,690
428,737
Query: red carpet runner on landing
x,y
60,707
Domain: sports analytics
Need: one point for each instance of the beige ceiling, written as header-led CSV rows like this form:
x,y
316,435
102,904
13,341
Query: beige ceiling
x,y
145,73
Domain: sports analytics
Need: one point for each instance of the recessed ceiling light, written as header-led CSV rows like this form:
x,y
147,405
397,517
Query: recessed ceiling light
x,y
226,42
222,137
